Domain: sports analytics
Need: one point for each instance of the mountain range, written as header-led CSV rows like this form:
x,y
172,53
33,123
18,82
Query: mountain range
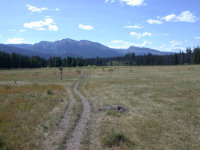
x,y
68,47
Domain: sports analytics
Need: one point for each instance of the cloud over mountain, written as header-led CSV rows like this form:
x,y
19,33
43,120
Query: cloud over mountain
x,y
85,27
48,25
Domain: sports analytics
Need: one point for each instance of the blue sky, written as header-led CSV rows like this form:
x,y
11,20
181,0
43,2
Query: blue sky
x,y
167,25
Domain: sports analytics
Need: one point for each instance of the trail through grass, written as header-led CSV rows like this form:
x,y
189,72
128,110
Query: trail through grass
x,y
32,104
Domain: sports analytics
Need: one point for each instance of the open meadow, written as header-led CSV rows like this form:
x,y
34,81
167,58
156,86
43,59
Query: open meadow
x,y
32,105
162,108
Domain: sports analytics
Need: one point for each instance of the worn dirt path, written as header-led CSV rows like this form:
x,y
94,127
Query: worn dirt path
x,y
53,141
74,141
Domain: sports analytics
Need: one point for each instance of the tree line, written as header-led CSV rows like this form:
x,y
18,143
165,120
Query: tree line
x,y
9,61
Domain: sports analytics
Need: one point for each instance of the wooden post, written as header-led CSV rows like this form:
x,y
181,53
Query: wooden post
x,y
61,69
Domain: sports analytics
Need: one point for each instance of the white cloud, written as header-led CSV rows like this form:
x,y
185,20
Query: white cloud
x,y
117,41
197,37
16,41
39,10
140,35
175,43
174,46
35,9
112,1
133,2
128,2
22,30
125,45
146,34
47,25
57,9
121,44
170,17
185,16
145,43
152,21
85,27
134,27
0,35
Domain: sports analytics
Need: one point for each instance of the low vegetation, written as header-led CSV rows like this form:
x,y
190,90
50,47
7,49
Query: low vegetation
x,y
163,104
115,139
32,103
22,109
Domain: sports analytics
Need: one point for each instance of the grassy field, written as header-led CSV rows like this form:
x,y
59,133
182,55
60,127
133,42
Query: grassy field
x,y
163,104
32,103
163,107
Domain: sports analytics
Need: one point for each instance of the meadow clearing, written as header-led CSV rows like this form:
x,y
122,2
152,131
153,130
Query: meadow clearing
x,y
32,105
163,107
162,103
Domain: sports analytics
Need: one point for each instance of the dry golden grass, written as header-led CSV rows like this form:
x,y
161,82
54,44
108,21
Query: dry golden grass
x,y
163,106
32,103
22,109
163,103
44,75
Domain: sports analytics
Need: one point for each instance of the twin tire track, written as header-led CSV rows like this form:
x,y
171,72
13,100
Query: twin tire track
x,y
52,141
73,143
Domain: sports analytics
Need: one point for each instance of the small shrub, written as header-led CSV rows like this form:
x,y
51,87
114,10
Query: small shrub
x,y
114,139
45,128
49,92
2,143
7,86
110,70
113,113
78,71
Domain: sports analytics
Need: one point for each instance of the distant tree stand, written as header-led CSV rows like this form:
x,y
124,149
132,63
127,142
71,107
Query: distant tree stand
x,y
61,71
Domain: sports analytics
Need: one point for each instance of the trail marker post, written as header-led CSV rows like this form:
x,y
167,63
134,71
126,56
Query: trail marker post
x,y
61,71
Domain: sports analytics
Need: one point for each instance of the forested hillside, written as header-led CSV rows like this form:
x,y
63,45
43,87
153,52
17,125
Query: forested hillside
x,y
8,61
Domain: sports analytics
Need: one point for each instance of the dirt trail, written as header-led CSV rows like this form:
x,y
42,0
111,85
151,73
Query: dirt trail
x,y
53,141
74,142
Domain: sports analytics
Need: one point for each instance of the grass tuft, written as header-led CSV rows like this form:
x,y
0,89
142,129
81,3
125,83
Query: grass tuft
x,y
78,71
113,113
7,86
2,143
110,70
114,139
49,92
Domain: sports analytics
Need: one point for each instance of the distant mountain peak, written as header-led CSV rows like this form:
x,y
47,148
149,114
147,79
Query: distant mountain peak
x,y
66,40
83,48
